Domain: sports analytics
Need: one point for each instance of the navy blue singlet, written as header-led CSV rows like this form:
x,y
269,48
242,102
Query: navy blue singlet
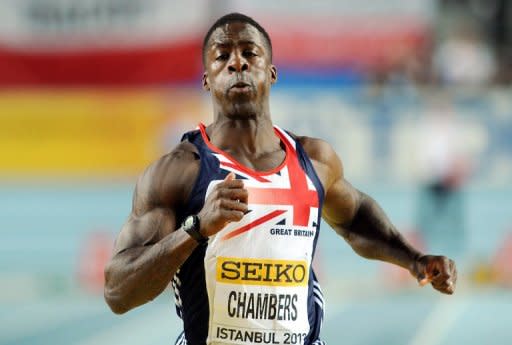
x,y
253,282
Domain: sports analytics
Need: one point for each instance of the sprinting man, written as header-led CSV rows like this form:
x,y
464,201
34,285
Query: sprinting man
x,y
232,214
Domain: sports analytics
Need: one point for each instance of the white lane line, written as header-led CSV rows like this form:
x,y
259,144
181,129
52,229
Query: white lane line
x,y
147,327
440,320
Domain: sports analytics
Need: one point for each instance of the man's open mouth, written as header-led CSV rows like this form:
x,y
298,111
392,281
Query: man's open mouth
x,y
240,85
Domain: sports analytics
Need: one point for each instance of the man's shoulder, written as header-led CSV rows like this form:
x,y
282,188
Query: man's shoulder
x,y
184,153
325,160
317,149
168,180
184,156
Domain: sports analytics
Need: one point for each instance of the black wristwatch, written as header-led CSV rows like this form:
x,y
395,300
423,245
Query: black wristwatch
x,y
191,226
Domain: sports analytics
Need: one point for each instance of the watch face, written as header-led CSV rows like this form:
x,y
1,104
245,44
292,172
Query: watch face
x,y
189,222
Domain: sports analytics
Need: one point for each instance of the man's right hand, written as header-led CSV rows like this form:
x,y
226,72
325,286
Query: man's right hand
x,y
226,203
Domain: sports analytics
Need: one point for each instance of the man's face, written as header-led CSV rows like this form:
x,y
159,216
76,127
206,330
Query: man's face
x,y
238,70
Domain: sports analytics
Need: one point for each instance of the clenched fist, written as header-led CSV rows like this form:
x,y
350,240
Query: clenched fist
x,y
440,271
226,203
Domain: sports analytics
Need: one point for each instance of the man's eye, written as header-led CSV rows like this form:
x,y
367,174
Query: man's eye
x,y
249,53
222,57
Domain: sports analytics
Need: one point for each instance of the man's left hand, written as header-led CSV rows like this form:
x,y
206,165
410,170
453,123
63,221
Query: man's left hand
x,y
440,271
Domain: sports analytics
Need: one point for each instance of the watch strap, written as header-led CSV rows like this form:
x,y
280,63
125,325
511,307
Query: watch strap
x,y
191,225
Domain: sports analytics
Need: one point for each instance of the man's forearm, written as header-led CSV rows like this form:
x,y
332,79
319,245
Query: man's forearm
x,y
373,236
138,275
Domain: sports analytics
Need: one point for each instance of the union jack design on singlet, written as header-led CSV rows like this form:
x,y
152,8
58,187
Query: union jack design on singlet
x,y
253,282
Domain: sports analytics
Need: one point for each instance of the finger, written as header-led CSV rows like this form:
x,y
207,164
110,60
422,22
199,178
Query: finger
x,y
442,271
423,277
444,283
434,268
233,205
442,278
232,215
236,183
230,176
444,266
424,281
446,287
450,288
230,181
235,194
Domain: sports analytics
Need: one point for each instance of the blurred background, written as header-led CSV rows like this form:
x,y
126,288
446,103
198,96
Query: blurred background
x,y
414,95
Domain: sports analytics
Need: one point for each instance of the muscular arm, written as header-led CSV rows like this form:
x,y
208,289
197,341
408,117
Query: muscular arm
x,y
364,225
148,250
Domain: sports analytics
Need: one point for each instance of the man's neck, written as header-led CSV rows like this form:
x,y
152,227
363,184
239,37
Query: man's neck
x,y
244,136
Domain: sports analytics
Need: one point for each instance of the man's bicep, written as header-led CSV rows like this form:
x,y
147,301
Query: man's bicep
x,y
341,204
341,199
162,188
145,229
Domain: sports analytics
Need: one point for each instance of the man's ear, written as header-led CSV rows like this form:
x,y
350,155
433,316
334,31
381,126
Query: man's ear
x,y
206,85
273,74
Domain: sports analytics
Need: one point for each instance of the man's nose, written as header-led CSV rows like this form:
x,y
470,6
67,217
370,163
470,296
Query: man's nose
x,y
238,64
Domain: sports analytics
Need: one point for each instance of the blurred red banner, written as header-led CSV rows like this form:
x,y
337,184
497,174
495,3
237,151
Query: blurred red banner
x,y
161,64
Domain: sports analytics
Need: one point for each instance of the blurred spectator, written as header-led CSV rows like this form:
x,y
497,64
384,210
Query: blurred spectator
x,y
441,202
464,58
